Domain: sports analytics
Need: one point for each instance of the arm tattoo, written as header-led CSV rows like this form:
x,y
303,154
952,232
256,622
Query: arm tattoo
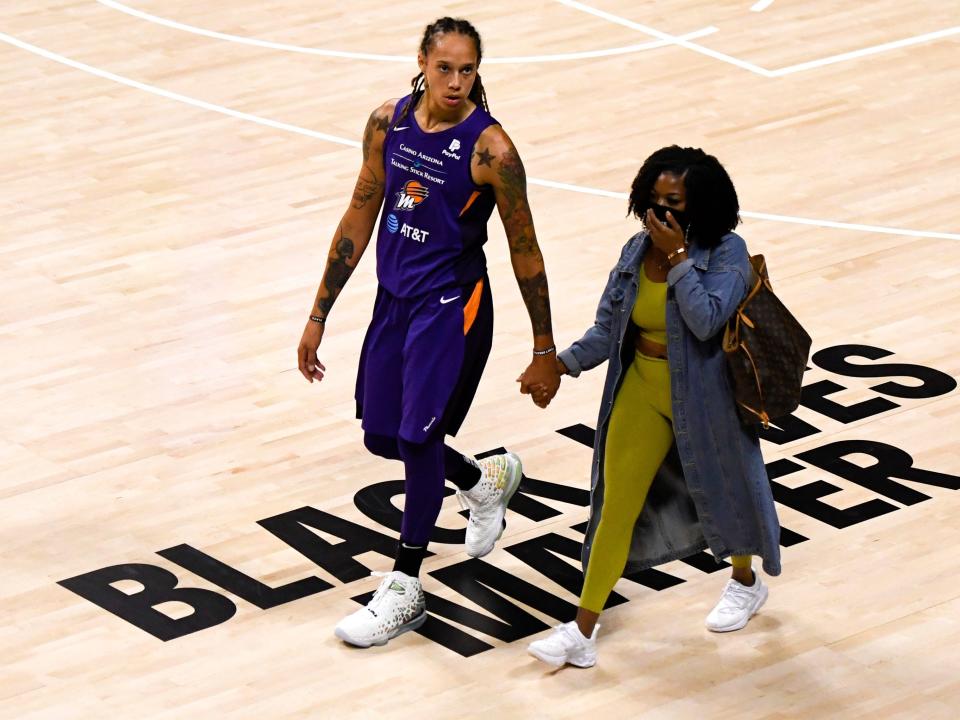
x,y
368,188
365,191
513,178
537,299
518,223
517,219
377,122
337,274
484,157
368,136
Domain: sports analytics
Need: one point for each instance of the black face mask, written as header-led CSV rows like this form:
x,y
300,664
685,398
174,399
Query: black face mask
x,y
660,211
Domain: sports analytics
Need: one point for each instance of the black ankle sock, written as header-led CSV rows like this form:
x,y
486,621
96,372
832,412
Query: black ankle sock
x,y
409,558
458,471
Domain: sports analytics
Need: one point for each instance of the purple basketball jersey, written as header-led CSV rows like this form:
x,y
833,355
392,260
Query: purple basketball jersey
x,y
434,219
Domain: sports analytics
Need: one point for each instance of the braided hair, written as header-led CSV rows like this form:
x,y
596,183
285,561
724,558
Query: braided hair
x,y
441,27
712,205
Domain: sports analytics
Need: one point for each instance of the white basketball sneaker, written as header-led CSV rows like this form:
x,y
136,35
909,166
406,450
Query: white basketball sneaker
x,y
737,605
566,645
397,606
487,501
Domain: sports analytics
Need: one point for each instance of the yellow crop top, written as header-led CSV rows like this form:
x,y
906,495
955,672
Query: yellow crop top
x,y
650,311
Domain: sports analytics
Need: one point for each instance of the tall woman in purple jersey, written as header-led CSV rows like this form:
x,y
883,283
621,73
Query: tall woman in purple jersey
x,y
435,163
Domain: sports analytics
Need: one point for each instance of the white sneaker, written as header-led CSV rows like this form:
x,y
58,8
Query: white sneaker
x,y
397,606
737,605
487,501
566,644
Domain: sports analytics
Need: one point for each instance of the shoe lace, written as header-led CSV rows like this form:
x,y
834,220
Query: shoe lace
x,y
464,501
477,498
573,634
479,513
569,633
739,594
382,590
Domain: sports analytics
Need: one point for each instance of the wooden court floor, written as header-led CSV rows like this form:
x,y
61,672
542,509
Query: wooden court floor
x,y
171,175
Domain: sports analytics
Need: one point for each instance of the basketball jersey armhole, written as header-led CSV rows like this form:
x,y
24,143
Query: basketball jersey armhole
x,y
476,187
401,103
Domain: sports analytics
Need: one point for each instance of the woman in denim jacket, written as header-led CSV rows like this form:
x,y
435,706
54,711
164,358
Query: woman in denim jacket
x,y
680,472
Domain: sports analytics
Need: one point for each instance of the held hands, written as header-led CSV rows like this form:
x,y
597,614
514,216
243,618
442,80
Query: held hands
x,y
541,379
307,352
667,237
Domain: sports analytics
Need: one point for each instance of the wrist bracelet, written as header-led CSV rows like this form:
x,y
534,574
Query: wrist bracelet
x,y
318,319
547,351
676,252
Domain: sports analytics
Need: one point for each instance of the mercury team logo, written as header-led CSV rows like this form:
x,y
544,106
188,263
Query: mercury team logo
x,y
411,196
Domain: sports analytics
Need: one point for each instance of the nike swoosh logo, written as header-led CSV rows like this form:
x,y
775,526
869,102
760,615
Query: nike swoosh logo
x,y
444,301
402,128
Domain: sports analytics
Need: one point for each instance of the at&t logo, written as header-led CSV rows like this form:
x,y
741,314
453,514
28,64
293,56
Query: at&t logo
x,y
408,231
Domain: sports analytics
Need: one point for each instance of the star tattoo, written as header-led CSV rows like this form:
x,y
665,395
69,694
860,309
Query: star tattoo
x,y
484,158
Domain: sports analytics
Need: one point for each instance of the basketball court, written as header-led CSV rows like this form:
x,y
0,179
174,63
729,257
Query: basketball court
x,y
172,175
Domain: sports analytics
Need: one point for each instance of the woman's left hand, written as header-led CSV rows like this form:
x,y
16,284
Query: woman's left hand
x,y
667,237
540,380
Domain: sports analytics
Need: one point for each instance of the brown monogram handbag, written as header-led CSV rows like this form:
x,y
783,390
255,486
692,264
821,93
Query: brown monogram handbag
x,y
767,351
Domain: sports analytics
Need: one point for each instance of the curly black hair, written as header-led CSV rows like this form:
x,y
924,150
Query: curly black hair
x,y
712,205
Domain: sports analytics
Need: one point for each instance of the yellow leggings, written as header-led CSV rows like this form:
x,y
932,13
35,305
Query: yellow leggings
x,y
638,438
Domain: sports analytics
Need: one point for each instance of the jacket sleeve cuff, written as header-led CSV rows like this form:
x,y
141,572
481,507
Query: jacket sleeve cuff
x,y
678,271
570,362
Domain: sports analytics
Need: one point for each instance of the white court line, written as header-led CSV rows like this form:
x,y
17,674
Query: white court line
x,y
663,41
172,95
766,216
906,42
672,39
850,226
156,19
761,5
353,143
843,57
576,188
588,54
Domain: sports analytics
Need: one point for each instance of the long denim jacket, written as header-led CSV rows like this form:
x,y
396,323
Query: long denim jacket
x,y
712,489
